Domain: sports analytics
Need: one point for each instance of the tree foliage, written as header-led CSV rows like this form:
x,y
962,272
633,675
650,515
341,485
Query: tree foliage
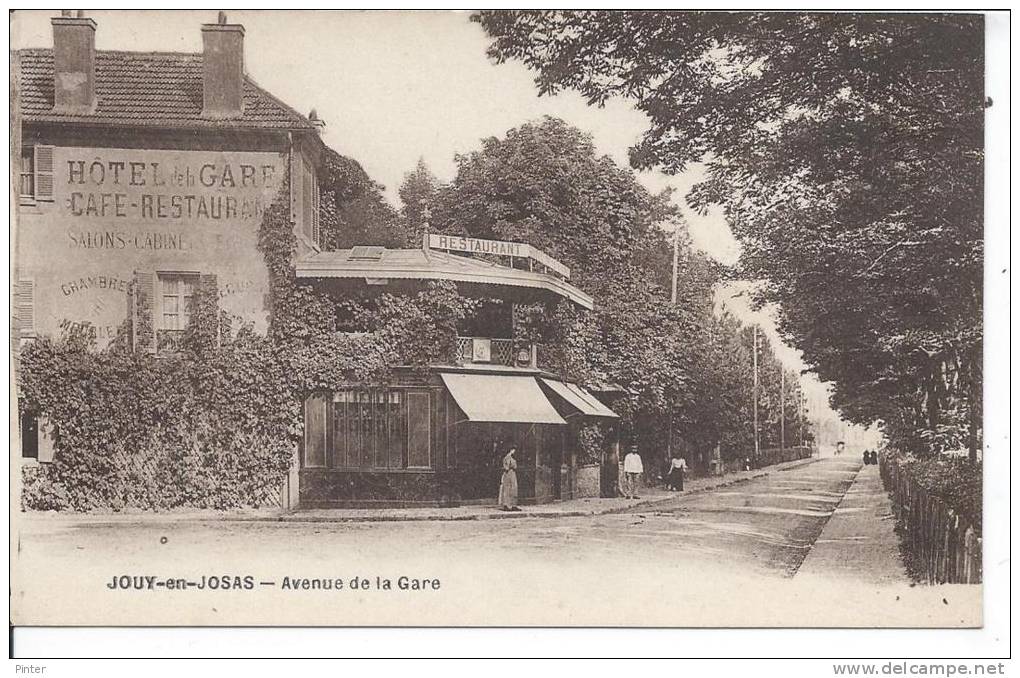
x,y
545,184
846,150
353,209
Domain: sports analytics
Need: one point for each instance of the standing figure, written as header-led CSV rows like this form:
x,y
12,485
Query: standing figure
x,y
632,470
675,478
508,483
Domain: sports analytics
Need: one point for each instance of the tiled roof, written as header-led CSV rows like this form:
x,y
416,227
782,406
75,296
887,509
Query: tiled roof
x,y
148,89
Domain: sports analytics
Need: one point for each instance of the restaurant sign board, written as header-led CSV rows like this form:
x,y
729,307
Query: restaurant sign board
x,y
458,243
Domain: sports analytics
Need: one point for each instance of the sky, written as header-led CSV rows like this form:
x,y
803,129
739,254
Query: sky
x,y
394,87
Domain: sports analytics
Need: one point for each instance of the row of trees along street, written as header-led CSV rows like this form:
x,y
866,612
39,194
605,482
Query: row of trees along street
x,y
543,183
846,150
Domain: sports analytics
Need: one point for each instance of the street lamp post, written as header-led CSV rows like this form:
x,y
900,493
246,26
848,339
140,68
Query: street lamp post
x,y
782,408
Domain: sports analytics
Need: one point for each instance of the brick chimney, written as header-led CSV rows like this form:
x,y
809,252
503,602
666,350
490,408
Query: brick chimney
x,y
222,69
74,63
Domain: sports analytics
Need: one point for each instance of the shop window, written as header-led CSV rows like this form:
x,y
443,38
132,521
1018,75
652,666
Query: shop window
x,y
368,429
419,433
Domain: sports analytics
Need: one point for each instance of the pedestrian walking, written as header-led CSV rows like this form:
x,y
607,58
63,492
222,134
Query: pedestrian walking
x,y
632,470
675,477
508,483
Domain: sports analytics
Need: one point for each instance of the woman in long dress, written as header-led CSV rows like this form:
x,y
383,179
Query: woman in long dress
x,y
675,478
508,483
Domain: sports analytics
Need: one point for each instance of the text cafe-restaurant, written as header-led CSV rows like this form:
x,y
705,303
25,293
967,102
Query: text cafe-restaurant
x,y
437,436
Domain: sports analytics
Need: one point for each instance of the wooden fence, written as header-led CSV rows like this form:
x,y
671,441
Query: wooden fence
x,y
943,545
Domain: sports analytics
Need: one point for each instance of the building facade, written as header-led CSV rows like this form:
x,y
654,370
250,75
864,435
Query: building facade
x,y
147,172
141,176
437,436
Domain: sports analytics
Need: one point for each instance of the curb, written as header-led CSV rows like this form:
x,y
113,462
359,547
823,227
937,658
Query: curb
x,y
760,473
298,518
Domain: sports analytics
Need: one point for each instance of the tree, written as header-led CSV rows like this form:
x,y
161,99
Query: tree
x,y
846,150
543,183
352,208
418,193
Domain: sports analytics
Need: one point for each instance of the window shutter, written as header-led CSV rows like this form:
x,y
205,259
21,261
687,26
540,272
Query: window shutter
x,y
143,319
307,219
46,443
43,173
316,233
315,430
295,184
25,307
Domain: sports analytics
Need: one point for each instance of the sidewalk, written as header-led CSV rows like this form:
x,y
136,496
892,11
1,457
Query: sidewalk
x,y
858,543
589,506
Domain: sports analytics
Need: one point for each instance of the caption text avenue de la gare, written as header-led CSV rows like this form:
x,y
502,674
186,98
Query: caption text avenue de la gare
x,y
248,582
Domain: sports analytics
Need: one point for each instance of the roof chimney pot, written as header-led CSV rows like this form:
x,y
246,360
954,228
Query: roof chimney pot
x,y
74,63
222,69
313,117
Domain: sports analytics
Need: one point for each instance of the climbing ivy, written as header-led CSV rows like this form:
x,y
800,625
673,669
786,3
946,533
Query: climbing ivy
x,y
215,423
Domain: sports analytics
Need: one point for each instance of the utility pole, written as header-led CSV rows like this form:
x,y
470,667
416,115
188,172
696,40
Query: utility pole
x,y
756,450
672,299
782,408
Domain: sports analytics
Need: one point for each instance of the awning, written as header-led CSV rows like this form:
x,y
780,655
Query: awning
x,y
580,399
501,398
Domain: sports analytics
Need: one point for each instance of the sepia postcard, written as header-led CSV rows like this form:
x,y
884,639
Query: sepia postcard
x,y
498,318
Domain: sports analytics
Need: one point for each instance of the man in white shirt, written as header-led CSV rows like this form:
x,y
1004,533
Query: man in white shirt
x,y
632,470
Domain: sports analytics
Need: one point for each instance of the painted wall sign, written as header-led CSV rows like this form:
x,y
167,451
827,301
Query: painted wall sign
x,y
102,282
117,212
163,186
457,243
119,240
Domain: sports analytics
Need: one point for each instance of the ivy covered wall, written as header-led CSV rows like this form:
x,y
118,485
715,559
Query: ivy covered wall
x,y
215,423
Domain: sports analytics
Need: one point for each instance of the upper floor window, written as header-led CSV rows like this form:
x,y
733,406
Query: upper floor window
x,y
35,180
175,294
27,184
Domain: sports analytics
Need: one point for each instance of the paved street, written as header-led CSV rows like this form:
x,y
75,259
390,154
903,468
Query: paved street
x,y
749,538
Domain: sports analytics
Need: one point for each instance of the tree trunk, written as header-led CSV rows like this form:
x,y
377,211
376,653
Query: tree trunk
x,y
975,373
